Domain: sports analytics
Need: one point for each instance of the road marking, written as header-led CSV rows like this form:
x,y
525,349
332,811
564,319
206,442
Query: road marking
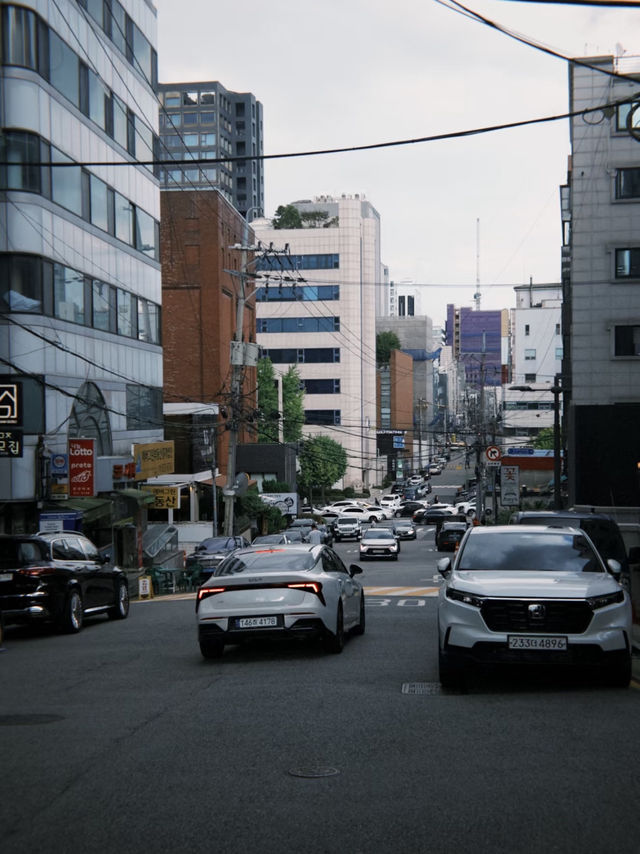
x,y
401,591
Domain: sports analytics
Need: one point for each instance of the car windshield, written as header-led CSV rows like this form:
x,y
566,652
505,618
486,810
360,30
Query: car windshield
x,y
349,520
214,544
523,552
268,538
267,560
378,534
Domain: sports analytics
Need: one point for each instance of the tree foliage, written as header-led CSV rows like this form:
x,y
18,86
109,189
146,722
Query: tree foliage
x,y
293,405
322,462
544,439
287,216
267,402
385,343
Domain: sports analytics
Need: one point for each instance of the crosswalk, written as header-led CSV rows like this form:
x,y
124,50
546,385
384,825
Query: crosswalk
x,y
401,591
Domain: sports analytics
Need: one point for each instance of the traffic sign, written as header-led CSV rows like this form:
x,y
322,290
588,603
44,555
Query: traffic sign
x,y
493,453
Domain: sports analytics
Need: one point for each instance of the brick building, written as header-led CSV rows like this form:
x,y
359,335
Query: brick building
x,y
199,306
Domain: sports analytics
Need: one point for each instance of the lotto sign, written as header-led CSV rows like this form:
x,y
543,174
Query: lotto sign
x,y
82,460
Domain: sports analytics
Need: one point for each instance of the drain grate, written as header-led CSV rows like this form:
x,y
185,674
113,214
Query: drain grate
x,y
29,720
431,688
313,773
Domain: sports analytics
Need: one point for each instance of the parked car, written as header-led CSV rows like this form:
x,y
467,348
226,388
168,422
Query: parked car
x,y
532,594
303,591
450,535
378,543
297,535
347,527
271,540
209,553
59,578
404,529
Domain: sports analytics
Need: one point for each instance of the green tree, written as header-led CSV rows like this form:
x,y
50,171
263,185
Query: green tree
x,y
267,402
322,463
314,219
287,216
544,439
385,343
293,405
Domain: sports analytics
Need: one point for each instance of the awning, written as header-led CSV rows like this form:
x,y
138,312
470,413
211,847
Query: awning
x,y
92,509
138,495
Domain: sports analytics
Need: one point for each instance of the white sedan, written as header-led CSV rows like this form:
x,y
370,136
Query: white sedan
x,y
283,591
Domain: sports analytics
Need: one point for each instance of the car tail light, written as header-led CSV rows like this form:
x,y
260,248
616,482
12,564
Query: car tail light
x,y
36,571
205,592
309,586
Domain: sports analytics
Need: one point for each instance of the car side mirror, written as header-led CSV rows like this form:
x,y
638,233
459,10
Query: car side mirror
x,y
354,569
444,565
614,567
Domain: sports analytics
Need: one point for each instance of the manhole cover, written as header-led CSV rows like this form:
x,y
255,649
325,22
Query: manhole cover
x,y
28,720
313,772
421,688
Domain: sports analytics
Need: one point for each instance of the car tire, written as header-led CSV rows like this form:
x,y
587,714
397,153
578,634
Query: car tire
x,y
334,643
398,514
395,557
120,611
72,614
618,673
451,675
211,648
359,629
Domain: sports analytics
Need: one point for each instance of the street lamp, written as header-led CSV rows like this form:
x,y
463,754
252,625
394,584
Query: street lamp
x,y
556,390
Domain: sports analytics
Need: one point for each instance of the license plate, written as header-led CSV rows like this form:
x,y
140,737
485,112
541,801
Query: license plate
x,y
256,622
6,576
537,642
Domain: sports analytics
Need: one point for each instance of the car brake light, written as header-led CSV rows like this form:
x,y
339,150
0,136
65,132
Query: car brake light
x,y
205,592
311,586
36,571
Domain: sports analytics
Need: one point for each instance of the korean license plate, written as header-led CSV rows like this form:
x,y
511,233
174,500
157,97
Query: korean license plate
x,y
6,576
256,622
537,642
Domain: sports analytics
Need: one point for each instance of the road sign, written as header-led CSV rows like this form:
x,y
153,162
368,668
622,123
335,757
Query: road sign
x,y
493,453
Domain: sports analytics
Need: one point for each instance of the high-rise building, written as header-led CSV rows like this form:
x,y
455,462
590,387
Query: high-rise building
x,y
601,370
316,309
204,121
80,288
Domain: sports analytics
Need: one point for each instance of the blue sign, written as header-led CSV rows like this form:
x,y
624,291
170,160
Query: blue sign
x,y
59,465
398,441
521,452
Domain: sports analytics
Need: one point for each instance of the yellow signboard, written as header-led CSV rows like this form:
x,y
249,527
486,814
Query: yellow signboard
x,y
167,497
153,459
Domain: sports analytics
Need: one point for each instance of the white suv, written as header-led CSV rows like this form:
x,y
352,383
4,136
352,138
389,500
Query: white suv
x,y
536,595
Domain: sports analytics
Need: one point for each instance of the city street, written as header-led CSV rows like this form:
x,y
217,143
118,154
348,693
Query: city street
x,y
123,739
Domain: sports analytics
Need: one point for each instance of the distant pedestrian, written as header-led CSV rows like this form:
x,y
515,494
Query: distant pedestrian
x,y
315,537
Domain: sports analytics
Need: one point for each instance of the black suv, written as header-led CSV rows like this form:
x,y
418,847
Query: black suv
x,y
58,577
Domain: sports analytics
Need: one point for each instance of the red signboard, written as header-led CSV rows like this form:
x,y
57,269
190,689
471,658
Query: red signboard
x,y
82,461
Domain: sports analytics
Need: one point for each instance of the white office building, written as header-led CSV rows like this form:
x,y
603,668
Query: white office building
x,y
80,286
319,314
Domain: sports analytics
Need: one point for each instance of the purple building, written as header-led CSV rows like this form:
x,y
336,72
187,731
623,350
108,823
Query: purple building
x,y
476,341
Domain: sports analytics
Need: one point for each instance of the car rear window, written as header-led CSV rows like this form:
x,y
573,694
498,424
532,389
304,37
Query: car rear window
x,y
17,553
267,560
550,552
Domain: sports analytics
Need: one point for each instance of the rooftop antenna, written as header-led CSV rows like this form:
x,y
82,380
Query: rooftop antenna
x,y
476,296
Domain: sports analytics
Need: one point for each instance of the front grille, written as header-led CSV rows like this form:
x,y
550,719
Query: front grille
x,y
515,615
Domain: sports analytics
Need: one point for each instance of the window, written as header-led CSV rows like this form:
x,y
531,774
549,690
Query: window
x,y
64,69
207,118
123,219
304,293
622,116
190,119
558,352
627,263
529,355
527,329
18,150
207,98
20,41
172,100
189,99
68,294
558,329
104,307
627,341
529,378
300,262
144,407
148,322
20,283
99,204
298,324
66,183
207,139
330,386
127,314
146,229
322,416
310,355
628,183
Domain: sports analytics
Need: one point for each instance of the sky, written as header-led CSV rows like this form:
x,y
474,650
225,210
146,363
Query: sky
x,y
357,72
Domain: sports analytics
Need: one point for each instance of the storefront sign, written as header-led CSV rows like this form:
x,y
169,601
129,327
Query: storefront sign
x,y
10,443
59,465
11,404
166,497
153,459
510,486
82,459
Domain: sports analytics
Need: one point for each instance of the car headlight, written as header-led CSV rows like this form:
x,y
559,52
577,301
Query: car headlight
x,y
463,596
596,602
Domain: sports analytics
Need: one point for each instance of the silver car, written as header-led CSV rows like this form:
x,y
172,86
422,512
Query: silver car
x,y
531,594
379,542
285,591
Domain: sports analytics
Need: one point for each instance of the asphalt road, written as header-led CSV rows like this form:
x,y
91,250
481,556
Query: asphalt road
x,y
123,739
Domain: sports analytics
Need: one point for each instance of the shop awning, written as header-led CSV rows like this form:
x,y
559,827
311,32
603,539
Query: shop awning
x,y
92,509
137,495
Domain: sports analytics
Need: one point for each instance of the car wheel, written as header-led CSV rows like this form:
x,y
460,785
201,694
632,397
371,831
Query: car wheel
x,y
398,514
71,620
450,675
121,609
211,648
618,674
334,643
359,629
395,557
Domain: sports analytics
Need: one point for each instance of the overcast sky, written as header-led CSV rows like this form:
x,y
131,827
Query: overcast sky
x,y
356,72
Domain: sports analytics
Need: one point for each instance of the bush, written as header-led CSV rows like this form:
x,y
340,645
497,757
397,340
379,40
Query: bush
x,y
349,492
